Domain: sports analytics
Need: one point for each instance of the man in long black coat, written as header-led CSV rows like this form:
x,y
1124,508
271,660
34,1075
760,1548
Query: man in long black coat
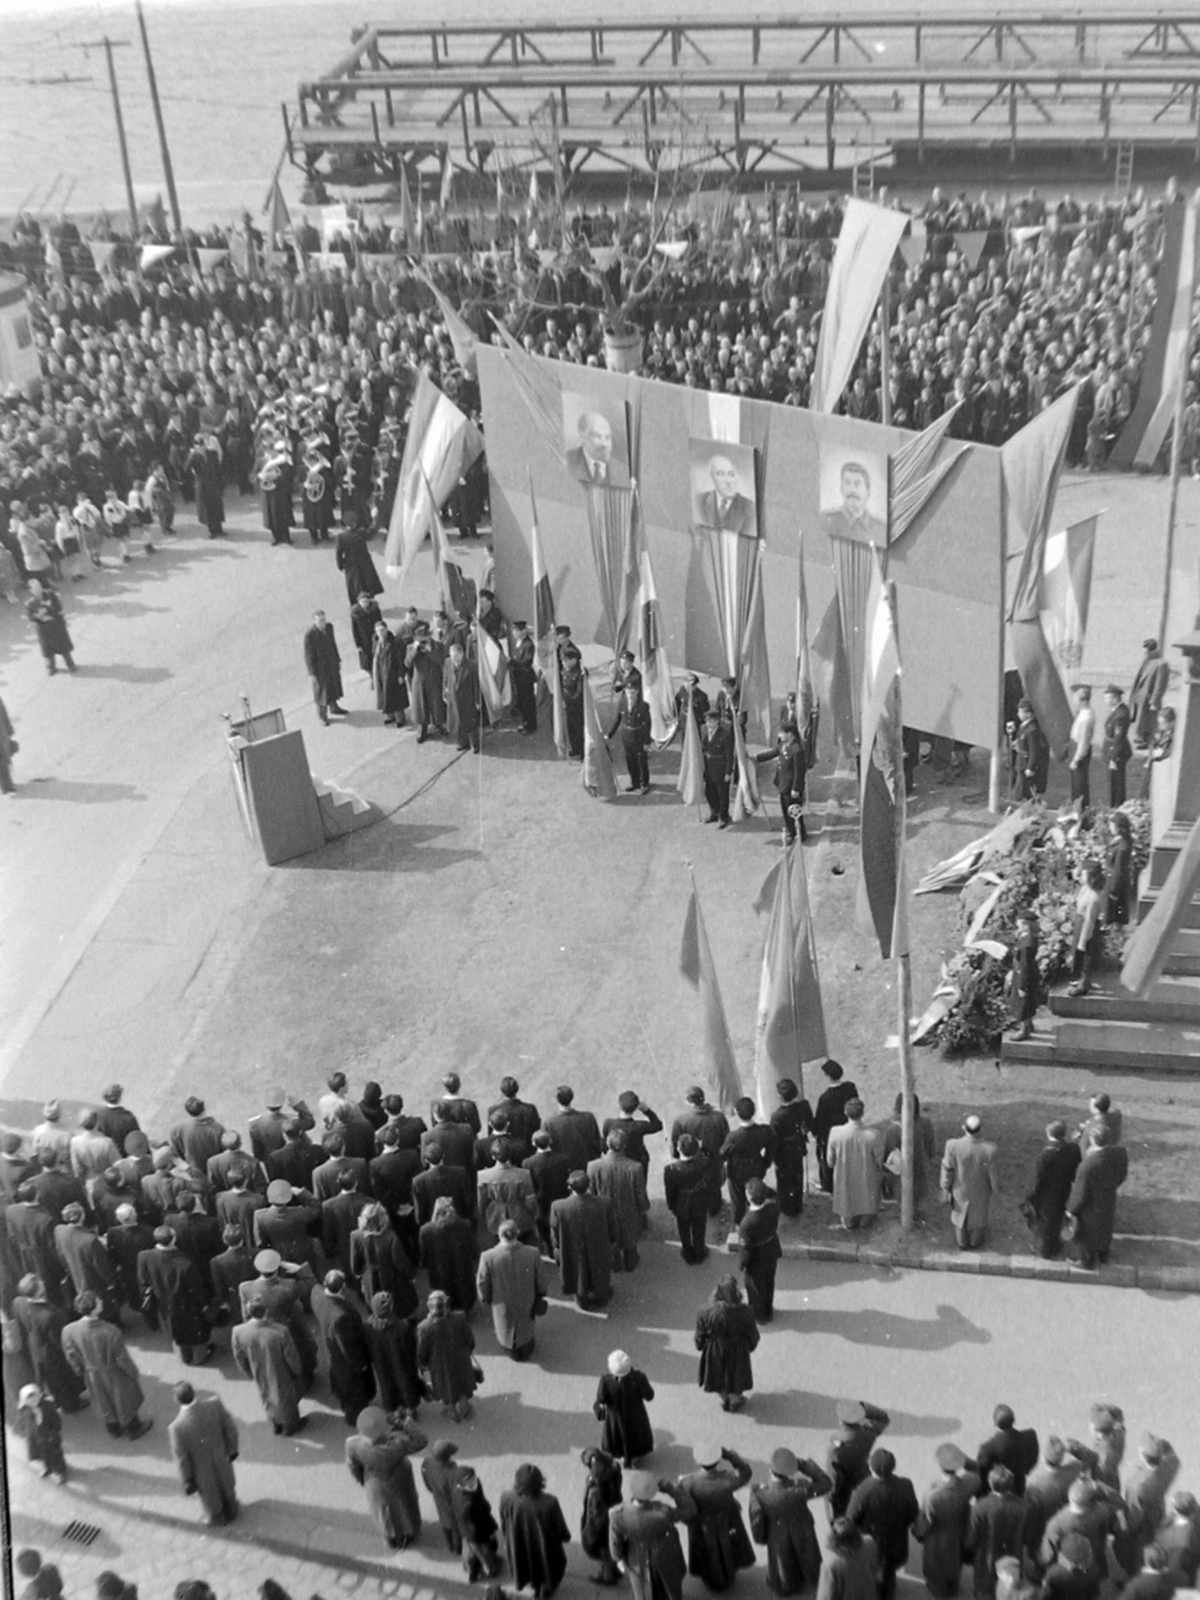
x,y
324,666
791,1123
686,1181
340,1326
748,1152
1045,1206
710,1129
885,1507
1011,1447
759,1249
1093,1198
174,1294
364,614
583,1233
831,1114
550,1172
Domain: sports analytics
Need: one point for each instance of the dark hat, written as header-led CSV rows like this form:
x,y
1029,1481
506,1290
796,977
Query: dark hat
x,y
521,627
1152,1448
784,1463
1149,644
1114,688
443,1449
950,1458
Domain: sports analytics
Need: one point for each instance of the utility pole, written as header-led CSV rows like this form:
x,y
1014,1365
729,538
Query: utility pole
x,y
109,45
168,170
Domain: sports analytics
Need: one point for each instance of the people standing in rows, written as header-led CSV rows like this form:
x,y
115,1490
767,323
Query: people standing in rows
x,y
1118,751
791,1124
781,1520
1079,757
856,1161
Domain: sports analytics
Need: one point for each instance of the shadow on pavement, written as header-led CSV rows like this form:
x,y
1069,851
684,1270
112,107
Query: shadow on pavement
x,y
386,846
874,1327
77,791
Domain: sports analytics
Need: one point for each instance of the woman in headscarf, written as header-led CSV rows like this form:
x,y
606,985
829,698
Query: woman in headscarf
x,y
378,1261
392,1343
726,1335
377,1455
535,1533
445,1350
601,1492
39,1424
621,1406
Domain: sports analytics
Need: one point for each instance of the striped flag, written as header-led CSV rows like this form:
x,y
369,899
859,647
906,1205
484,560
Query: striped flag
x,y
808,711
866,244
1030,464
462,336
442,443
596,774
882,893
656,671
493,674
279,223
543,599
696,965
746,799
451,584
690,782
1066,590
912,475
790,1025
1166,362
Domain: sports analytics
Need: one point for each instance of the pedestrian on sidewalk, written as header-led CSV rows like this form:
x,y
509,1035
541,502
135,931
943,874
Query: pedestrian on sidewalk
x,y
791,1123
968,1183
1045,1206
830,1114
204,1443
97,1352
38,1422
853,1153
1093,1198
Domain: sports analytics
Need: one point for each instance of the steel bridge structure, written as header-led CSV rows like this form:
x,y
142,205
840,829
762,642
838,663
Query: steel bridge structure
x,y
744,94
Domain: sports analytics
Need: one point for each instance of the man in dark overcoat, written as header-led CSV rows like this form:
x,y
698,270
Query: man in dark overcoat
x,y
324,665
583,1234
1045,1206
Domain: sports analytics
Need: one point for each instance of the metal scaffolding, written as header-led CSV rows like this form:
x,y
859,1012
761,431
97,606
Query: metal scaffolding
x,y
747,94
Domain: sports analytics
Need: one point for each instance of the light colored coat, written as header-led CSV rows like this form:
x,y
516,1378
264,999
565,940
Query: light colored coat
x,y
96,1350
969,1178
204,1441
267,1353
854,1153
511,1277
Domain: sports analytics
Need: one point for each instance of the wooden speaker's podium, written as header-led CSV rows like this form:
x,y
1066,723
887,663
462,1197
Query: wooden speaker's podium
x,y
275,791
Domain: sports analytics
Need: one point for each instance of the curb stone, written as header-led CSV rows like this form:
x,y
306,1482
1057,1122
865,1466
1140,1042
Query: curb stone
x,y
1177,1280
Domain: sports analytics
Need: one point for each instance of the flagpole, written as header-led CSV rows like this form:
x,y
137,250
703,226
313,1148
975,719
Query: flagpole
x,y
1176,453
903,972
885,356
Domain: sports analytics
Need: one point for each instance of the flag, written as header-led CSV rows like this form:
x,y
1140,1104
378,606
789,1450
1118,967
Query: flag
x,y
446,193
408,219
451,584
789,1028
971,244
442,443
865,247
1165,365
746,799
208,259
20,366
1147,951
696,965
690,782
533,187
493,674
279,223
559,709
597,772
720,212
656,671
882,892
103,251
543,598
462,335
912,476
420,218
152,254
1030,464
1066,589
808,712
53,256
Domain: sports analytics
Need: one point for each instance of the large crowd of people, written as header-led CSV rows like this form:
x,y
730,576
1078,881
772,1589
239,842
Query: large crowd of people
x,y
348,1249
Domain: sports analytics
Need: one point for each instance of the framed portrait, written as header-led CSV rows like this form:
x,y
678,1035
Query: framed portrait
x,y
595,440
724,491
853,493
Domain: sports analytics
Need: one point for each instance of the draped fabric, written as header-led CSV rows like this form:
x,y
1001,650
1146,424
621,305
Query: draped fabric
x,y
808,710
1166,358
912,475
610,523
865,247
854,569
539,391
442,443
883,895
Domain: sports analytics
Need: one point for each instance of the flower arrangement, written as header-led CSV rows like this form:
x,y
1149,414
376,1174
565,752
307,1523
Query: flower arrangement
x,y
1035,874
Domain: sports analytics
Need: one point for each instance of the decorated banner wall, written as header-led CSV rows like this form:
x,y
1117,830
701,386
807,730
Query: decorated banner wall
x,y
948,568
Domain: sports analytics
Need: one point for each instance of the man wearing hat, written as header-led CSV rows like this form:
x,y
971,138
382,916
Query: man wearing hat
x,y
716,746
512,1282
1146,696
1117,749
780,1519
1030,756
462,697
1045,1206
859,1425
1094,1513
324,665
942,1524
284,1298
583,1237
633,719
759,1249
718,1544
693,693
570,675
1070,1577
643,1540
425,664
285,1222
524,678
1093,1198
968,1183
686,1181
365,616
268,1128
